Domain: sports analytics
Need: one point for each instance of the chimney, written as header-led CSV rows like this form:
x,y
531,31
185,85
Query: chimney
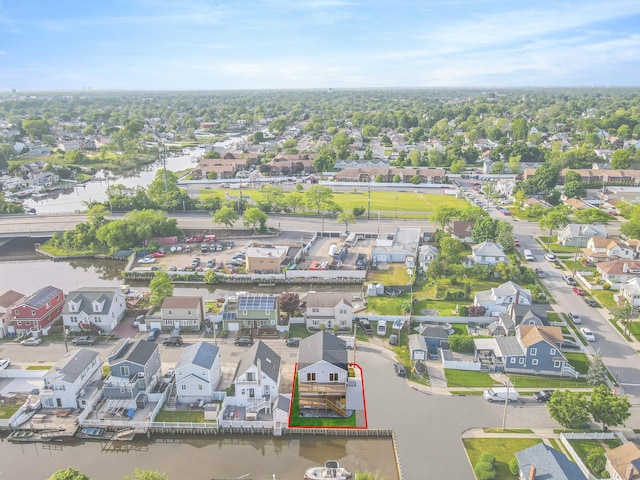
x,y
532,473
625,267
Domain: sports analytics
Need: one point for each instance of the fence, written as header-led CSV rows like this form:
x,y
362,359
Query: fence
x,y
565,437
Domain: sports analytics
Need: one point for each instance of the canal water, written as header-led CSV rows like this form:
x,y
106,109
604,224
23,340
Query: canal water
x,y
76,199
194,458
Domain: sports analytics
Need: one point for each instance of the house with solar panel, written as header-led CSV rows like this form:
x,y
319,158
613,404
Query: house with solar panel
x,y
36,312
323,372
90,308
197,373
250,312
73,381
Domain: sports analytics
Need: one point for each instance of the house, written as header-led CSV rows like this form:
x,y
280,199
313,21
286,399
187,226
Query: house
x,y
602,249
88,307
323,372
7,300
198,373
251,312
38,311
281,408
623,462
182,312
329,309
577,234
460,230
135,369
542,462
73,380
630,291
576,204
533,350
426,254
266,259
257,378
435,335
498,299
404,243
504,326
488,253
619,271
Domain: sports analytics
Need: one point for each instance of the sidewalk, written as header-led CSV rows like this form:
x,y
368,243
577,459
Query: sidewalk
x,y
543,433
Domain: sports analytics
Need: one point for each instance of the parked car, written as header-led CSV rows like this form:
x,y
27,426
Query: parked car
x,y
172,342
516,242
550,256
589,302
588,334
138,320
578,291
393,339
147,259
153,334
569,279
4,363
500,394
195,262
543,396
381,330
366,326
539,273
575,318
569,345
400,370
433,352
157,254
31,342
84,340
243,341
211,263
292,342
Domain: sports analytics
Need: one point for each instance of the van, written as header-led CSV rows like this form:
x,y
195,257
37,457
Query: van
x,y
349,340
381,331
528,255
500,394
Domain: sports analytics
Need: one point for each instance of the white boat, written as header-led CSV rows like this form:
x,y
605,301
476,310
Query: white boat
x,y
330,470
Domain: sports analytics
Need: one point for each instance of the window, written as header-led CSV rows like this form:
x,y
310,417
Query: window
x,y
267,312
251,377
311,377
123,390
170,312
552,351
513,359
333,377
521,361
244,312
343,322
199,386
183,386
534,361
315,323
315,310
33,313
188,312
343,311
556,363
533,352
124,371
252,393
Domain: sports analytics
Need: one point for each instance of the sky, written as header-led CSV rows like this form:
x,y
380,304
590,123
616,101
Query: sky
x,y
301,44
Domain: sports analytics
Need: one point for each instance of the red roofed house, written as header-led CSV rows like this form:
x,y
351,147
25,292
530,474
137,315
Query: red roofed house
x,y
37,311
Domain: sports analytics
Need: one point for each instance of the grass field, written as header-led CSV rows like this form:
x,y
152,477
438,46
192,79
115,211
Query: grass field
x,y
503,449
582,448
579,361
181,416
297,421
387,305
605,297
462,378
396,274
525,381
7,411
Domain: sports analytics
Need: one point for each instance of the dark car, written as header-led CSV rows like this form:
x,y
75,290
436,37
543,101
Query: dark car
x,y
292,342
400,370
243,341
172,341
153,334
85,340
393,339
543,395
589,302
569,345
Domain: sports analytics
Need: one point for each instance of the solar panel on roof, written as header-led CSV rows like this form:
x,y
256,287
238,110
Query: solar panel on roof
x,y
229,316
256,303
43,296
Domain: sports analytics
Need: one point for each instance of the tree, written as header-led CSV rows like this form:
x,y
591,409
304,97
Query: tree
x,y
289,302
458,166
139,474
472,213
608,409
164,193
504,235
569,409
461,343
450,250
497,168
484,229
271,197
35,127
294,200
256,219
514,164
597,373
592,215
226,215
574,189
546,176
621,159
69,474
555,218
318,197
210,277
624,315
347,218
444,215
160,287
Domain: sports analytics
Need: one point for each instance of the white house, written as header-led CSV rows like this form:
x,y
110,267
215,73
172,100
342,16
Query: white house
x,y
631,291
182,312
329,309
498,299
198,373
602,249
257,378
619,271
101,307
426,255
577,234
73,380
488,253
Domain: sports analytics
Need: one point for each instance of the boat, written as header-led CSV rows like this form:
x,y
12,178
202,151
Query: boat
x,y
93,432
330,470
20,436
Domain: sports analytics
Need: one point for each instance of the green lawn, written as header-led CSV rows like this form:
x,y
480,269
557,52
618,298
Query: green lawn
x,y
387,305
526,381
635,329
296,421
556,247
7,411
39,367
396,274
187,416
582,448
579,361
605,297
463,378
503,449
298,330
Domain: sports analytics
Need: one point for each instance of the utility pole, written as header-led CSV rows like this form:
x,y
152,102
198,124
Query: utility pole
x,y
506,402
369,205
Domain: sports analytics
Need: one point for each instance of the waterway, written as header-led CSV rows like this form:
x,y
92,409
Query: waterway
x,y
96,190
195,458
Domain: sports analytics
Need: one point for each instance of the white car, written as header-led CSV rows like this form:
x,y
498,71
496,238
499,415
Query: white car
x,y
147,260
588,334
4,363
575,318
31,342
550,256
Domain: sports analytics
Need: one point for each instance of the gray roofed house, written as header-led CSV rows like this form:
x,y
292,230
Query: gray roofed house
x,y
257,378
541,462
99,307
66,383
577,234
488,253
323,347
135,367
434,335
329,309
198,373
404,243
498,299
535,314
503,326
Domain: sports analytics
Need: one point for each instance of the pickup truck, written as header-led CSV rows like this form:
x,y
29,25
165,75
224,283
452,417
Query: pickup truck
x,y
84,340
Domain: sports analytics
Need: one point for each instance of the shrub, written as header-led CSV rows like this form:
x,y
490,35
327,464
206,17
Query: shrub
x,y
464,311
487,457
606,286
461,343
477,311
514,468
596,461
484,471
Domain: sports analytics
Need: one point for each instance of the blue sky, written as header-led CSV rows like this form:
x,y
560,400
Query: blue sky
x,y
265,44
